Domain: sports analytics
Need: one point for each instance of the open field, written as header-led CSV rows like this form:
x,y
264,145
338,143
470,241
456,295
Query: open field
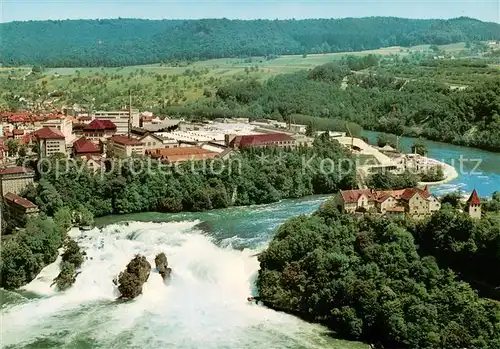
x,y
281,64
157,85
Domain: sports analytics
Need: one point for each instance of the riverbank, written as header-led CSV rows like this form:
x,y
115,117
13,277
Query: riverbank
x,y
477,169
214,270
449,171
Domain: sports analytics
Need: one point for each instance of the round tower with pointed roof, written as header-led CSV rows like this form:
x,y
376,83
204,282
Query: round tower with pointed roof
x,y
473,205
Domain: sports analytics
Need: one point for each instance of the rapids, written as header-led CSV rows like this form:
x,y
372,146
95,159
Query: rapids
x,y
203,305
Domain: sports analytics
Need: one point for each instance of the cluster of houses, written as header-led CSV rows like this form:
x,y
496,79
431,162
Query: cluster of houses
x,y
414,202
124,133
95,136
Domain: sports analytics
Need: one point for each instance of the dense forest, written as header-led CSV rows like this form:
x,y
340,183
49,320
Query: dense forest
x,y
369,279
418,108
120,42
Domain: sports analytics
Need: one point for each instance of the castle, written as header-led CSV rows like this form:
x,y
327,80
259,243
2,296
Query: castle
x,y
414,202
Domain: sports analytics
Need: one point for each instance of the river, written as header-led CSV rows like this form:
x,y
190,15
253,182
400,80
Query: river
x,y
478,169
204,305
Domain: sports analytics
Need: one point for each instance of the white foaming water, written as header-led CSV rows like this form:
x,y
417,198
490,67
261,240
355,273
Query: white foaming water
x,y
203,305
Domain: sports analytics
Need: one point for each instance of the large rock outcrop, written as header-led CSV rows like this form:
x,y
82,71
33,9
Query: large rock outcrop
x,y
162,265
131,280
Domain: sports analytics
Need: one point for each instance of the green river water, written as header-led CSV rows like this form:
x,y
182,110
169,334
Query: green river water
x,y
204,305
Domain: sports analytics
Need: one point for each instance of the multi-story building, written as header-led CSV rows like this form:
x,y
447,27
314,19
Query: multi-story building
x,y
19,208
3,151
17,133
120,118
259,141
15,179
60,123
98,130
414,202
152,141
50,141
176,155
124,146
83,147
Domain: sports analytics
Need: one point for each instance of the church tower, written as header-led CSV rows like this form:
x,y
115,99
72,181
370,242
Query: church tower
x,y
474,205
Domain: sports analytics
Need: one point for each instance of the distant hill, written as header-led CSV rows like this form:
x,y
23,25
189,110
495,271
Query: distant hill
x,y
120,42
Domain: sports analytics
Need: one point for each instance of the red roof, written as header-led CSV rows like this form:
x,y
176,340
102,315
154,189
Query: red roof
x,y
259,140
100,125
350,196
16,199
411,192
48,133
83,145
125,140
474,199
15,170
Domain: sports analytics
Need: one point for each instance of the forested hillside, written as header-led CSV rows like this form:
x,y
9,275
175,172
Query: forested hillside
x,y
119,42
418,108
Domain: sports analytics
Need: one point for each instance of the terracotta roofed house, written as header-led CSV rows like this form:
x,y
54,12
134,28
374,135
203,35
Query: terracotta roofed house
x,y
50,141
175,155
99,129
413,201
262,140
15,179
20,208
83,146
125,146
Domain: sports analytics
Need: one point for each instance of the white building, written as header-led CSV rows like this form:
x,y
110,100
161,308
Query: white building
x,y
62,124
120,118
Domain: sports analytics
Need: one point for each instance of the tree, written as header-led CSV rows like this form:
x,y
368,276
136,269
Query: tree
x,y
310,129
385,139
13,146
454,199
62,217
368,279
207,93
22,151
36,69
419,147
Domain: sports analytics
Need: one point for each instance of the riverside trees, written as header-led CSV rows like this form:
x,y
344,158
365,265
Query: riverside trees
x,y
256,176
366,279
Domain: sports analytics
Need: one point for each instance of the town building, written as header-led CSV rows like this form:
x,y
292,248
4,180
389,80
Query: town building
x,y
120,118
94,162
84,146
124,146
259,141
17,133
3,151
49,141
414,202
19,208
473,205
60,123
99,129
15,179
177,155
151,141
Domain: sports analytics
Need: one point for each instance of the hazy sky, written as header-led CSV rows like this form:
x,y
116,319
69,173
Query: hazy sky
x,y
488,10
